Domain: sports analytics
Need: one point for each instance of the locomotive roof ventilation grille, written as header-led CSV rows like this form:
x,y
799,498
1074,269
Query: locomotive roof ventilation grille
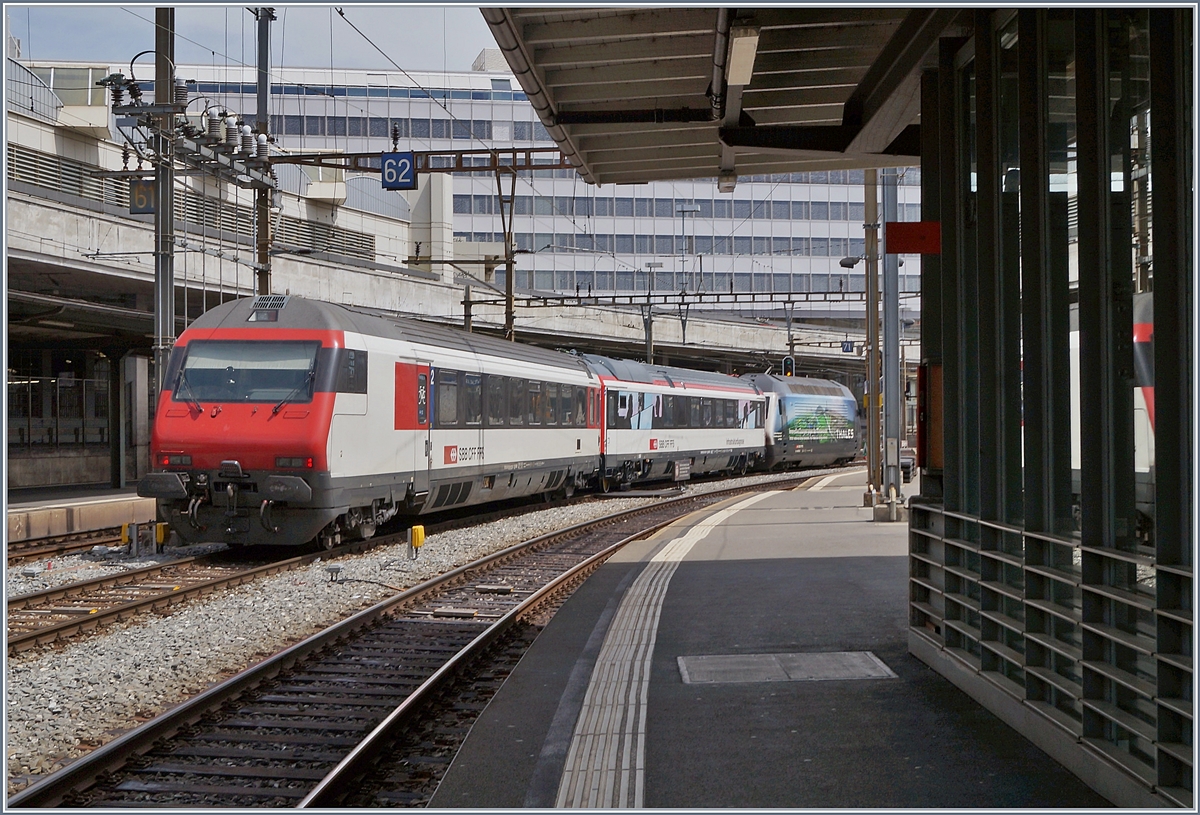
x,y
266,308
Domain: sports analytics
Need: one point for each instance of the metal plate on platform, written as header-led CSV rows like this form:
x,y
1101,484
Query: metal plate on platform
x,y
719,668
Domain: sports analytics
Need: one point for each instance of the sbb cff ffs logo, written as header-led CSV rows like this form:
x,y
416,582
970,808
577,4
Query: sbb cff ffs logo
x,y
451,454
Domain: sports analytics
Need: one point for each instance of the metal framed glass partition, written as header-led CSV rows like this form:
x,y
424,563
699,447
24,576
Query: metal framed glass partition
x,y
1051,554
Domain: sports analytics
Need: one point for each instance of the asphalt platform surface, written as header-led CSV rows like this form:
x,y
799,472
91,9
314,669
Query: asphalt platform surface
x,y
798,572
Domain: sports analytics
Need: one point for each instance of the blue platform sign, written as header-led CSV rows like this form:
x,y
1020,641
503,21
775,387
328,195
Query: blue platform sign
x,y
399,171
848,346
141,197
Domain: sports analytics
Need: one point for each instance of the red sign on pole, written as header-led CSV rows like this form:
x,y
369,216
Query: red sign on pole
x,y
913,237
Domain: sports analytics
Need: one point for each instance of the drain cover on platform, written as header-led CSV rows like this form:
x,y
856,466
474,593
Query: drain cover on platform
x,y
704,670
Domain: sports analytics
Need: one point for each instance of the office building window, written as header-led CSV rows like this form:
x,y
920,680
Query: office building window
x,y
293,125
314,125
704,244
522,131
762,246
742,245
820,247
741,210
664,245
523,205
643,207
624,207
781,246
624,244
722,208
481,204
800,246
378,127
462,204
664,208
837,211
819,211
440,128
335,126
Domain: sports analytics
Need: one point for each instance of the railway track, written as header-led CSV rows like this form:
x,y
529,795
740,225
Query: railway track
x,y
37,548
306,726
72,609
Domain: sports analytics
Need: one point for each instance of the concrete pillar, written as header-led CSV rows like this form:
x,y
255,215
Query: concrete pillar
x,y
432,209
137,381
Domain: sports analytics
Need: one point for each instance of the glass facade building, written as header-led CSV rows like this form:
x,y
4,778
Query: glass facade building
x,y
775,233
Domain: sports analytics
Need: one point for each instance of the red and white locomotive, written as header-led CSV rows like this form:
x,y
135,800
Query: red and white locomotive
x,y
284,420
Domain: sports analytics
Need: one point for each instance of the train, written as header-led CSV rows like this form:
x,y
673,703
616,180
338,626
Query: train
x,y
285,420
810,422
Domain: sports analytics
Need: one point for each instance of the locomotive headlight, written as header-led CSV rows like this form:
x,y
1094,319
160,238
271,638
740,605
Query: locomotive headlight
x,y
295,462
174,460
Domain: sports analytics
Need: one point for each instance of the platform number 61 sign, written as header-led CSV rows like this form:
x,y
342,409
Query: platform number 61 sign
x,y
141,197
399,171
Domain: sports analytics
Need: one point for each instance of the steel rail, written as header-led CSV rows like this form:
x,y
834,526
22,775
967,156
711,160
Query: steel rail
x,y
20,551
47,634
357,762
85,771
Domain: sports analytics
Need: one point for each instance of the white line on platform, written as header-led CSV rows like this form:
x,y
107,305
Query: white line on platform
x,y
829,479
606,762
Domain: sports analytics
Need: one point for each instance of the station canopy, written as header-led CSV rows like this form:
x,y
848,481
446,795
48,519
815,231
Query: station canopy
x,y
655,94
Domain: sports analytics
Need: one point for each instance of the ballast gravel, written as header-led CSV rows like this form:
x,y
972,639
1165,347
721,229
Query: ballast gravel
x,y
69,698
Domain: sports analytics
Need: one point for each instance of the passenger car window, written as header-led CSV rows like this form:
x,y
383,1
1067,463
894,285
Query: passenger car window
x,y
497,393
472,396
518,398
447,397
536,397
550,404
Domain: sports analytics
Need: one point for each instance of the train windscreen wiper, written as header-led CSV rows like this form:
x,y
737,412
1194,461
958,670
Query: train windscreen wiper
x,y
308,377
183,380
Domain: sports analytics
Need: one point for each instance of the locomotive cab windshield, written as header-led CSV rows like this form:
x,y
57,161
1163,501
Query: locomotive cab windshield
x,y
240,371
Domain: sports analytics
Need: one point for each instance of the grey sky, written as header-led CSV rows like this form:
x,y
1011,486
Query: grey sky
x,y
422,38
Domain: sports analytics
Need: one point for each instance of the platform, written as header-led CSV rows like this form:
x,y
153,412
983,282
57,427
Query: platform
x,y
752,655
43,511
